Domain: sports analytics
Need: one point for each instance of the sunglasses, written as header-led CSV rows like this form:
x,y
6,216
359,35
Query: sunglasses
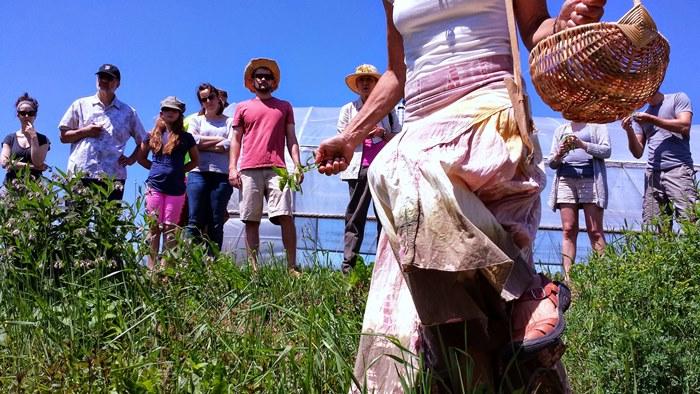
x,y
106,77
268,77
210,97
26,113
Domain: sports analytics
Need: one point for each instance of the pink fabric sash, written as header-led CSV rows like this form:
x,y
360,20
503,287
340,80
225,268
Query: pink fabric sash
x,y
443,87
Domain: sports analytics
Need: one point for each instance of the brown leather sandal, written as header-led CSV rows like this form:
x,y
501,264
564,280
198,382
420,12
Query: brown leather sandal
x,y
532,336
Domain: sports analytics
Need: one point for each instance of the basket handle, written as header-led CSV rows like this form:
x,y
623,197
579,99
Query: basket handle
x,y
638,25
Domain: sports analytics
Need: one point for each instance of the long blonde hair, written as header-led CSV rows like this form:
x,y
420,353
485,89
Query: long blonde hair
x,y
176,130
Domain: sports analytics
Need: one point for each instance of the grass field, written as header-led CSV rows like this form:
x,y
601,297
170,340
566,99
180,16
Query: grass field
x,y
78,313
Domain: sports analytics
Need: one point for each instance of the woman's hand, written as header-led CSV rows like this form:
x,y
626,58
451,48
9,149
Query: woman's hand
x,y
378,132
334,154
568,143
580,12
29,131
578,143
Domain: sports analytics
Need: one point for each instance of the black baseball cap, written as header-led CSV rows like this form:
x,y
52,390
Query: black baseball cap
x,y
109,69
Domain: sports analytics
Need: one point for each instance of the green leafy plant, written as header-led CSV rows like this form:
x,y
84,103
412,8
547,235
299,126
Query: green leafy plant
x,y
635,324
291,181
568,142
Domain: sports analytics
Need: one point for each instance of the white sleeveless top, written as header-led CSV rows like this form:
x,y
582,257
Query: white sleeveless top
x,y
439,33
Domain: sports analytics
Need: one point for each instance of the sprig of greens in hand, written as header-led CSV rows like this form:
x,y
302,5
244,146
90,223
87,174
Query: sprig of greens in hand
x,y
292,180
569,143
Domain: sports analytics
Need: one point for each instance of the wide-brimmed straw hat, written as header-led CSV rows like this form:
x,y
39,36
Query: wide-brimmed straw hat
x,y
363,70
256,63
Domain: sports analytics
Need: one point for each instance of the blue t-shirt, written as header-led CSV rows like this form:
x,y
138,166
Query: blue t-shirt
x,y
667,149
167,173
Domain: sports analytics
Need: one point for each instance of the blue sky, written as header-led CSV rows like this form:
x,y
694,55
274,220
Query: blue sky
x,y
52,49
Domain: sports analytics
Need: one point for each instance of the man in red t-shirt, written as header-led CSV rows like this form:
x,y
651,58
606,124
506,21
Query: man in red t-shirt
x,y
263,125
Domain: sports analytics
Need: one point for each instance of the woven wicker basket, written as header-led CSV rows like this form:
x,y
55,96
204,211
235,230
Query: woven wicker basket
x,y
601,72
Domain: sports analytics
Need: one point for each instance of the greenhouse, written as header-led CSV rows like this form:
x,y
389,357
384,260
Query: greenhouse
x,y
319,210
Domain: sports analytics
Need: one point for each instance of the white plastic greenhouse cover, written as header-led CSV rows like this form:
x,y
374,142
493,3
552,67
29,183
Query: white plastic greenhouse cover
x,y
320,209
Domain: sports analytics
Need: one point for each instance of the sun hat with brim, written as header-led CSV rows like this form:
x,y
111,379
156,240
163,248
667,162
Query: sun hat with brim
x,y
363,70
256,63
172,102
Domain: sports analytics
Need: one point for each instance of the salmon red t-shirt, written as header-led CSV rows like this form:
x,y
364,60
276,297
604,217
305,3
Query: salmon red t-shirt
x,y
264,124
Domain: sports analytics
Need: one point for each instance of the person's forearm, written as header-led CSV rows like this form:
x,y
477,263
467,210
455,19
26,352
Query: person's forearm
x,y
209,143
145,163
142,156
294,152
37,154
674,125
554,161
190,165
73,135
599,151
135,154
633,144
234,154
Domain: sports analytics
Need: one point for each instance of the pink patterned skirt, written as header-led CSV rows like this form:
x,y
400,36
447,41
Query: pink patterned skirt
x,y
459,204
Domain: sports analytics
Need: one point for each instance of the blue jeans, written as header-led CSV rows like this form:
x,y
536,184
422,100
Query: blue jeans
x,y
207,195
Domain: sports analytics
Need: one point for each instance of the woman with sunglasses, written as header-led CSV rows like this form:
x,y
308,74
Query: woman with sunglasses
x,y
25,148
208,190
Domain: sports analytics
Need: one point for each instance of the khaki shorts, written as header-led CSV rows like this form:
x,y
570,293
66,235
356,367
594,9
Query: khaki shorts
x,y
576,191
669,191
257,183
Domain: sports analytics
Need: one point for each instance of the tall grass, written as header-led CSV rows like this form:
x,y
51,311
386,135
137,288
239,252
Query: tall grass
x,y
78,313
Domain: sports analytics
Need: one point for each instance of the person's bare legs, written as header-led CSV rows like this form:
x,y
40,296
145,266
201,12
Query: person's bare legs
x,y
569,225
169,240
289,239
154,243
252,242
594,225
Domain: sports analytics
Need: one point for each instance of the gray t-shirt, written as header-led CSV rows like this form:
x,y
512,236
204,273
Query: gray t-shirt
x,y
666,149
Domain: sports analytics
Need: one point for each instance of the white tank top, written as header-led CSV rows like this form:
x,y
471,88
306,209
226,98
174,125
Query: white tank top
x,y
439,33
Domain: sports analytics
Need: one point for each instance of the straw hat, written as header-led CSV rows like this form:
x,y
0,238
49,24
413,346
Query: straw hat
x,y
361,71
256,63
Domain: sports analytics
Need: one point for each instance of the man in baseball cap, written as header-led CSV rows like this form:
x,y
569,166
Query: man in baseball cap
x,y
109,70
97,128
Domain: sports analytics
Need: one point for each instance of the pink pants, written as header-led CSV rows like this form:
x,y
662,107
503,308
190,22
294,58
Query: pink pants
x,y
164,207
